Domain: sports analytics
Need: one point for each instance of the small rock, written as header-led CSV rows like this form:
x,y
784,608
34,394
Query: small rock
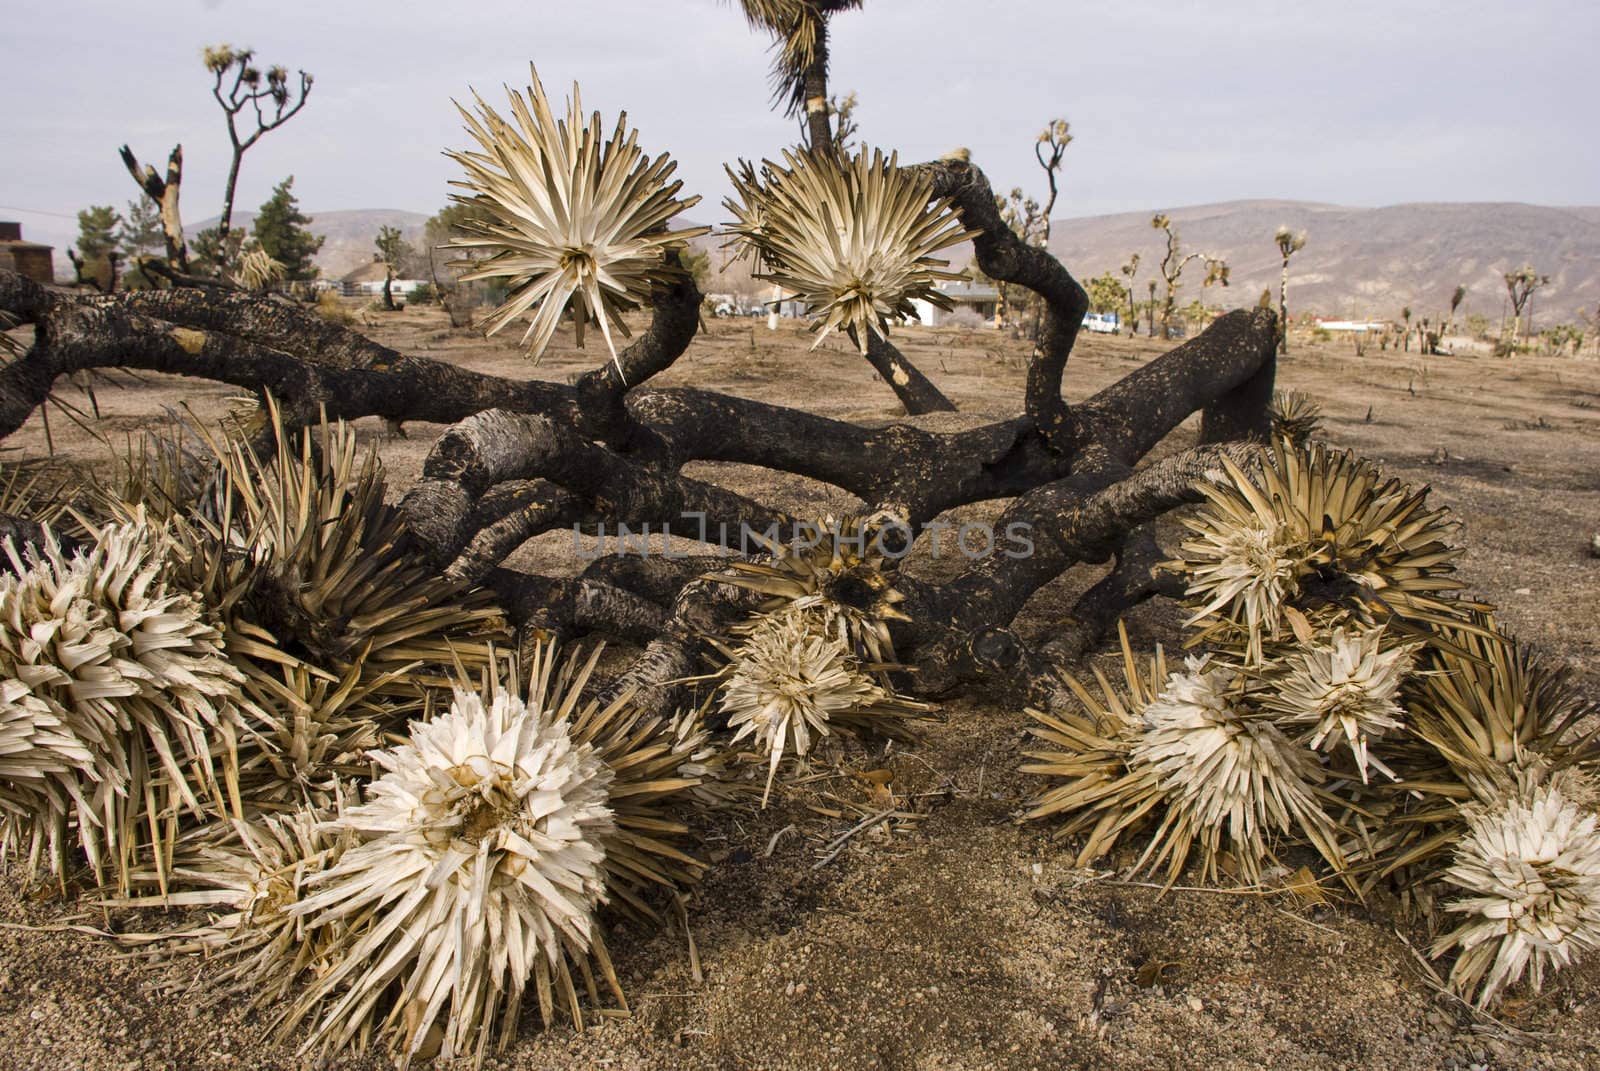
x,y
1196,1004
1523,591
1594,545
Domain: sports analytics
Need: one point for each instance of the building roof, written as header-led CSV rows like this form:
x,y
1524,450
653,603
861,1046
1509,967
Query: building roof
x,y
10,244
970,292
373,271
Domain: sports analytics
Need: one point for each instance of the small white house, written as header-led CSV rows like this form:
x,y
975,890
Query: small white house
x,y
981,299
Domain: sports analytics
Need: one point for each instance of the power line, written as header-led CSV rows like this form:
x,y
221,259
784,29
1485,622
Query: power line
x,y
37,212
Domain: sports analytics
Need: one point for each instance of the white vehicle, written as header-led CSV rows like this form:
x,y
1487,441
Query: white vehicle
x,y
1103,323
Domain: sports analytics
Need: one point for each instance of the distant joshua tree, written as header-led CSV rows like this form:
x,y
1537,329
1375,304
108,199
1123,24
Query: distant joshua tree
x,y
1052,142
1172,265
1105,293
238,84
1520,285
1429,335
392,249
1129,270
1289,244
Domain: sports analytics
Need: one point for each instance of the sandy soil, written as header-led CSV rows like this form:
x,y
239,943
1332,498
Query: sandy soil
x,y
959,939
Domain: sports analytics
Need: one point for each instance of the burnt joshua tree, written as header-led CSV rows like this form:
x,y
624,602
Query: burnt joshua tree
x,y
1130,270
240,89
1289,243
525,456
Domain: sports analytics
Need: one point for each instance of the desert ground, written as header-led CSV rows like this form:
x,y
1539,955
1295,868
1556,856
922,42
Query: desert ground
x,y
959,938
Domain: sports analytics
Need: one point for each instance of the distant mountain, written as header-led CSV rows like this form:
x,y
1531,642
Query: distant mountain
x,y
1360,261
349,234
1357,261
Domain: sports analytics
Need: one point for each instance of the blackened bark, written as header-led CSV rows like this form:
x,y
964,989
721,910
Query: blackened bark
x,y
1004,256
568,608
164,192
1079,519
915,390
26,536
1133,579
814,87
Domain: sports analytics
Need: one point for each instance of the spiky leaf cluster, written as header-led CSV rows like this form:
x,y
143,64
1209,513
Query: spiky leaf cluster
x,y
571,221
328,608
838,568
1295,415
1349,706
853,240
789,680
118,708
1529,869
1342,690
1487,717
1319,531
418,910
1190,755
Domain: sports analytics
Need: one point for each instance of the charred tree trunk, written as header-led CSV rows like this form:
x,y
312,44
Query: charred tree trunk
x,y
164,192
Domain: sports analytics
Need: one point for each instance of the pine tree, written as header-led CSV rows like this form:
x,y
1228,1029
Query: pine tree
x,y
97,246
140,236
280,228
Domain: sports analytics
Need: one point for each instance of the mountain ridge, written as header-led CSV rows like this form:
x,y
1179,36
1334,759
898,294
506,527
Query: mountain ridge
x,y
1358,260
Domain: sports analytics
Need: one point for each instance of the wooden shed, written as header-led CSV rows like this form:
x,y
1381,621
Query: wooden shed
x,y
28,259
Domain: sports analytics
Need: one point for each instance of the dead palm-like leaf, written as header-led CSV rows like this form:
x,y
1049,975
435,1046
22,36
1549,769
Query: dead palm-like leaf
x,y
798,27
839,568
119,712
852,239
570,220
1319,530
480,860
1096,792
1491,706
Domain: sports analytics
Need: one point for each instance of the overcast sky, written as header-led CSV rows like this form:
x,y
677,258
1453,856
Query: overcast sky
x,y
1173,102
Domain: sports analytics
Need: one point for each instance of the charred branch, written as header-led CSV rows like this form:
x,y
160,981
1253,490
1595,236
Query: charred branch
x,y
1135,578
915,390
164,192
1004,256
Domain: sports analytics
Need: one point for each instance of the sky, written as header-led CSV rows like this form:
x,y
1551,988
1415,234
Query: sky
x,y
1171,103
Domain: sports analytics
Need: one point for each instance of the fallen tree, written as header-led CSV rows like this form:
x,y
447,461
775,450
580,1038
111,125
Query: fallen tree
x,y
523,457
